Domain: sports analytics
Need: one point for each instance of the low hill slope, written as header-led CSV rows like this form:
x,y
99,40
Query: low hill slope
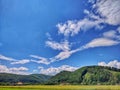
x,y
88,75
14,79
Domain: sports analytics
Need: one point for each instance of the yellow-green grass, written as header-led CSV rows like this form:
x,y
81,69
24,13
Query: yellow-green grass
x,y
62,87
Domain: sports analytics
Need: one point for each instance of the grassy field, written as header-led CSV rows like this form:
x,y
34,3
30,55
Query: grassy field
x,y
61,87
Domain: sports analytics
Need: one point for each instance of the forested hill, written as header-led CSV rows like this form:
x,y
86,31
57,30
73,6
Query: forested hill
x,y
14,79
88,75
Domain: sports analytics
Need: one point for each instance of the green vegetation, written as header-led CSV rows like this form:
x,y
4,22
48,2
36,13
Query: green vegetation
x,y
61,87
90,75
13,79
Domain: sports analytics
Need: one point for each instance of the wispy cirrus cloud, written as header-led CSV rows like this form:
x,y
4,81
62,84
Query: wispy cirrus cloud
x,y
61,56
99,42
23,61
40,60
64,46
13,60
2,57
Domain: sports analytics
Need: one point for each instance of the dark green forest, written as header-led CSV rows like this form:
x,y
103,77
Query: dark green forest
x,y
89,75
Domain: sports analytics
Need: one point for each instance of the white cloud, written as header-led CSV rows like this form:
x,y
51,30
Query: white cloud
x,y
65,54
2,57
24,61
55,70
68,28
3,69
103,11
14,61
18,69
49,36
91,15
73,27
41,60
64,46
114,63
102,64
58,46
109,10
14,70
98,42
62,55
110,34
86,11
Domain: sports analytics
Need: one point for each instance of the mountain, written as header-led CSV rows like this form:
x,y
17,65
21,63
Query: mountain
x,y
89,75
14,79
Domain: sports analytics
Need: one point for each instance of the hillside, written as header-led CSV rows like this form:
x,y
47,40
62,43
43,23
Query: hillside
x,y
88,75
14,79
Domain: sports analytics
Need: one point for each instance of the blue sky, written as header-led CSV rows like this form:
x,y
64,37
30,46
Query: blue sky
x,y
47,37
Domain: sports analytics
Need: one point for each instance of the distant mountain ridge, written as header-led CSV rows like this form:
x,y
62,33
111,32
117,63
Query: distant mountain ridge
x,y
88,75
14,79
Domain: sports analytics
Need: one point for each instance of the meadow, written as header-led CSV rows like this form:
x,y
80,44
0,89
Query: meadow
x,y
62,87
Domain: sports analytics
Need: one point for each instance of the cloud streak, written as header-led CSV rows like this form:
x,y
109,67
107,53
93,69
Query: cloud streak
x,y
14,61
2,57
100,42
24,61
41,60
